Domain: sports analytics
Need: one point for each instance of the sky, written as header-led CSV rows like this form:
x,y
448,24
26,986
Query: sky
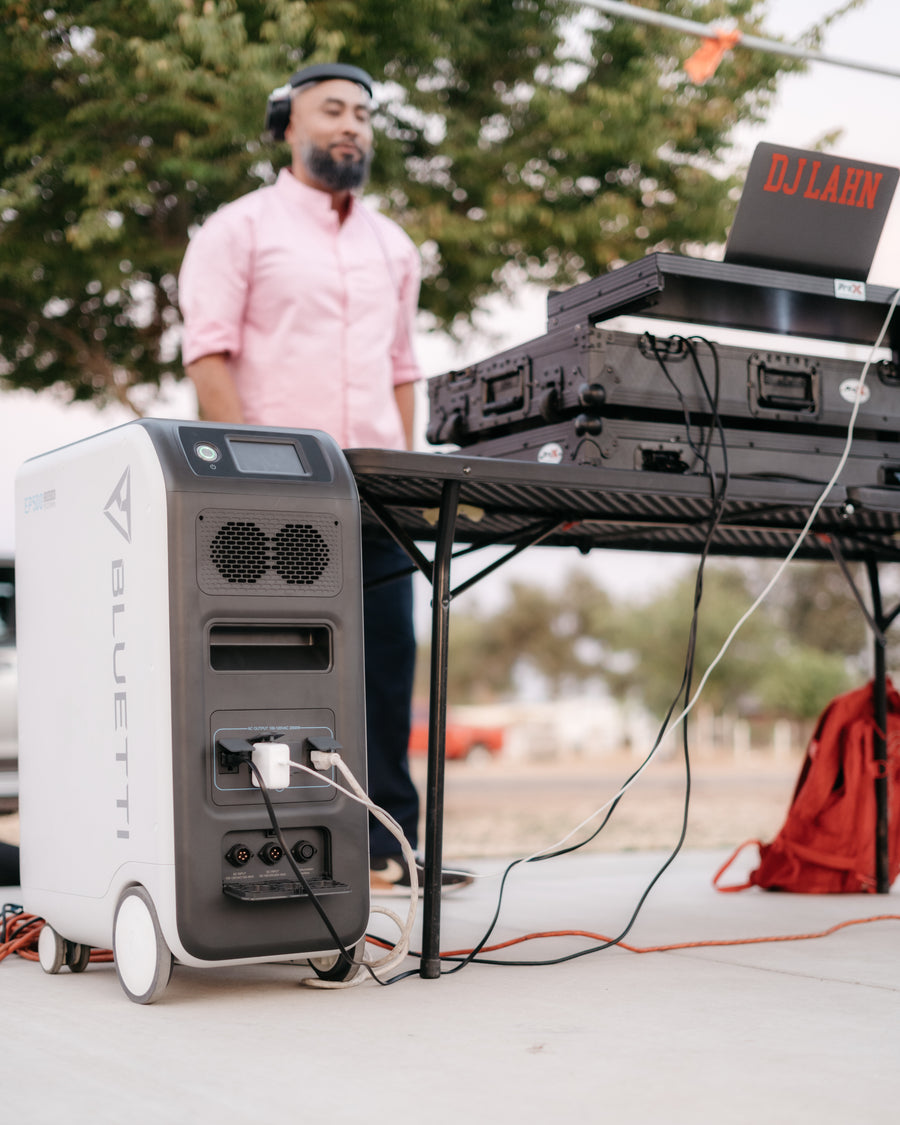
x,y
823,100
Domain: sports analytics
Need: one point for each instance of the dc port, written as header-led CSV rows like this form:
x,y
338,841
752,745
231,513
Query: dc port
x,y
271,853
239,855
303,851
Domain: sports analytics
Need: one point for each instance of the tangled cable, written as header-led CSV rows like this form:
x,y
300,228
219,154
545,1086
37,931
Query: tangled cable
x,y
19,933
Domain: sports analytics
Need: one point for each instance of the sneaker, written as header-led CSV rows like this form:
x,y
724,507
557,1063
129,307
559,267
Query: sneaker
x,y
388,875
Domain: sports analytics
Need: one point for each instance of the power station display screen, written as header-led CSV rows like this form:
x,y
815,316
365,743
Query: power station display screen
x,y
268,458
256,452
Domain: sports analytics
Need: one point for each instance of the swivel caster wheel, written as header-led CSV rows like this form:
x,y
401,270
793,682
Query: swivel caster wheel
x,y
54,952
143,960
78,956
336,967
51,949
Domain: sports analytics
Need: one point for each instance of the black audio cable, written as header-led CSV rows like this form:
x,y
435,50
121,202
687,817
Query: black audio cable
x,y
301,878
683,692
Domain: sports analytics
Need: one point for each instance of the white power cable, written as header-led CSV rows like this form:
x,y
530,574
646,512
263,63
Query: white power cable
x,y
358,794
749,613
812,515
334,758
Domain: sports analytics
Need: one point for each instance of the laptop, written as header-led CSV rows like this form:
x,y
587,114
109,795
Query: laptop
x,y
812,213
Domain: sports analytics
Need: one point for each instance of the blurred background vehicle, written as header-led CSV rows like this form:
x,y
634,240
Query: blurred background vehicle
x,y
9,743
464,741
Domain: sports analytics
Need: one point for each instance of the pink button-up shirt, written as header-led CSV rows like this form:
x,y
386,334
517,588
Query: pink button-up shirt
x,y
316,315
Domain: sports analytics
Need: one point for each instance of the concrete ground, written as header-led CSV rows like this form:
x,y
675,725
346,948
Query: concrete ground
x,y
774,1032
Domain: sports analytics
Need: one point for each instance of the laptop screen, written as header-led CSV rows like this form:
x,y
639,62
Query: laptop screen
x,y
809,212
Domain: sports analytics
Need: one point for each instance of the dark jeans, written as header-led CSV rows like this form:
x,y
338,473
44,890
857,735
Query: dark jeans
x,y
390,654
9,865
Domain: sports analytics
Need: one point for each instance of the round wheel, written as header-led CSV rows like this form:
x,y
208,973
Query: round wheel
x,y
143,960
78,956
51,950
336,966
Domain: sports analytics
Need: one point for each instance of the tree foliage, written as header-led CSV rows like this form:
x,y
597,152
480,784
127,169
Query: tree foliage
x,y
772,666
513,142
539,634
778,664
817,603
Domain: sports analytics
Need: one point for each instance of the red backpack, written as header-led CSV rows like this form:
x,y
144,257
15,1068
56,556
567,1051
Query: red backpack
x,y
827,842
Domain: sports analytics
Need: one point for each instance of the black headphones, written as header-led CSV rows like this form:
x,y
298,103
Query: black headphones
x,y
278,107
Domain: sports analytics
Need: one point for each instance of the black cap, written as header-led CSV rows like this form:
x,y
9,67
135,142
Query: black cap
x,y
322,72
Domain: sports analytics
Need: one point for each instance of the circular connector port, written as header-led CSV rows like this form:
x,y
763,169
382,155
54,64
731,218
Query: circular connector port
x,y
271,853
239,855
303,850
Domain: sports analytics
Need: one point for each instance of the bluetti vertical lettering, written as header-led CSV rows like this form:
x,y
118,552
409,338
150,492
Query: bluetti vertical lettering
x,y
120,695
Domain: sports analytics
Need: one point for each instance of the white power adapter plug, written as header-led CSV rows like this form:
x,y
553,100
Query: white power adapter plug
x,y
273,760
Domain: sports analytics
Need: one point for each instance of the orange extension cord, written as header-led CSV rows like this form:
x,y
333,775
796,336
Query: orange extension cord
x,y
661,948
22,938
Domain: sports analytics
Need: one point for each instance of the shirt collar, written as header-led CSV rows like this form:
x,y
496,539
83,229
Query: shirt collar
x,y
312,200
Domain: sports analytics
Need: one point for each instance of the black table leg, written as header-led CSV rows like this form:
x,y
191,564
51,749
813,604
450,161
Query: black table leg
x,y
879,743
437,725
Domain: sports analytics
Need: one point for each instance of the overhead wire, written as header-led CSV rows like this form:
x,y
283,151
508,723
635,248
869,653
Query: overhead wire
x,y
711,31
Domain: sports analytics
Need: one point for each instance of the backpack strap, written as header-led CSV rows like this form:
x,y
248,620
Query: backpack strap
x,y
813,855
728,862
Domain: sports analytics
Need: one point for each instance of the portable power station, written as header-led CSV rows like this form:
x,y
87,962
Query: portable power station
x,y
187,592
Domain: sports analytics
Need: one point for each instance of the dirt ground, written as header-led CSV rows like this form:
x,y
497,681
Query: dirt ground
x,y
503,808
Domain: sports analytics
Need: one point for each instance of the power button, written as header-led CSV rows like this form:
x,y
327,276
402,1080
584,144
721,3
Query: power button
x,y
207,452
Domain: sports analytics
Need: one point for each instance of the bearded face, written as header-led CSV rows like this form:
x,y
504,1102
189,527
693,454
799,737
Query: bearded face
x,y
330,135
345,171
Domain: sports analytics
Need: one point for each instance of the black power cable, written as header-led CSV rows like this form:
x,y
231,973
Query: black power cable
x,y
718,502
301,878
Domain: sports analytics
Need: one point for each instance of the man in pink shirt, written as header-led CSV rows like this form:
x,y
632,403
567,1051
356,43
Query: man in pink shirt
x,y
298,304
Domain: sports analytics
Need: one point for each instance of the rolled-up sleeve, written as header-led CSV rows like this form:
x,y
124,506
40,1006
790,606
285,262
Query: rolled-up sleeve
x,y
406,368
213,287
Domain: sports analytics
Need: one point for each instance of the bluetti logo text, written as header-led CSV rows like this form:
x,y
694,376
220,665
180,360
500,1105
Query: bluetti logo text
x,y
118,506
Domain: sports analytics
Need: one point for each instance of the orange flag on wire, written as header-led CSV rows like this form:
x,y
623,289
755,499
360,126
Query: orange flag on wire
x,y
704,62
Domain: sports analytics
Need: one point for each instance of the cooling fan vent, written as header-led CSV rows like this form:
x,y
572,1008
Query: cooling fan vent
x,y
240,552
268,553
